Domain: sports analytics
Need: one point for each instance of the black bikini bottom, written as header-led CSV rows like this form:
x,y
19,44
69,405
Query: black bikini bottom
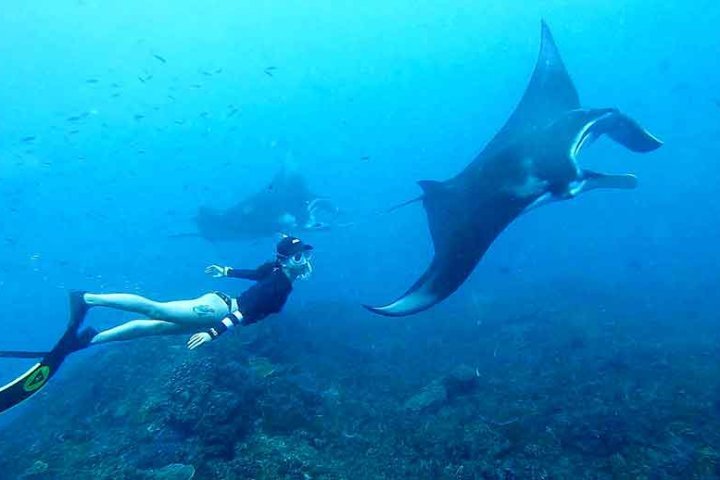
x,y
226,299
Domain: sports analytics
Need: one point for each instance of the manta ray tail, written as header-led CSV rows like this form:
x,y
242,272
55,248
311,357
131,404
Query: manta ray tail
x,y
403,204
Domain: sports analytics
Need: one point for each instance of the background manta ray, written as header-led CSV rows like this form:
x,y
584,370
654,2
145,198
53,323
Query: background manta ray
x,y
531,161
285,204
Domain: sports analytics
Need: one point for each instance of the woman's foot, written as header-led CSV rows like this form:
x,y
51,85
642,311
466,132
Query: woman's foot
x,y
83,339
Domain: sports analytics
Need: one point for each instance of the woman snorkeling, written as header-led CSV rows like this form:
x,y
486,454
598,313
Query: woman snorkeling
x,y
208,316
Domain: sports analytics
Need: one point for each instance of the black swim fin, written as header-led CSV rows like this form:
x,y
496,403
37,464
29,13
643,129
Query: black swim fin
x,y
21,354
81,340
38,375
78,309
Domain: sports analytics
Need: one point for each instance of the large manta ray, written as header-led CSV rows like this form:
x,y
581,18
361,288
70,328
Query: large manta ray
x,y
531,161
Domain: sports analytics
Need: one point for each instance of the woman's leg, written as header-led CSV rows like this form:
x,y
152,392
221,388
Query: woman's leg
x,y
140,328
210,307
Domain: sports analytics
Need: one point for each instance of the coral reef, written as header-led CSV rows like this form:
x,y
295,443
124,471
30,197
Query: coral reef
x,y
530,392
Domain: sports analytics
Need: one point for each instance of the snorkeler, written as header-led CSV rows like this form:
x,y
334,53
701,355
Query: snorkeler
x,y
209,316
213,313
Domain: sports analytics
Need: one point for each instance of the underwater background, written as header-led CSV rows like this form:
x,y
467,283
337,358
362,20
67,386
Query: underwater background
x,y
585,344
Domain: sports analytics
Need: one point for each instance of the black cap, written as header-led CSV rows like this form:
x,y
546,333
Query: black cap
x,y
289,246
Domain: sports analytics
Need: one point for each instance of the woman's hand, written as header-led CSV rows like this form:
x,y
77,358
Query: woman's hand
x,y
198,339
216,271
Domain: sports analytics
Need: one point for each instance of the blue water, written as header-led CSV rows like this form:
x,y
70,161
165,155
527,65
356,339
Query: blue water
x,y
366,98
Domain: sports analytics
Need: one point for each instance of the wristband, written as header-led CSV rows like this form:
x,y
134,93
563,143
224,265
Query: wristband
x,y
228,322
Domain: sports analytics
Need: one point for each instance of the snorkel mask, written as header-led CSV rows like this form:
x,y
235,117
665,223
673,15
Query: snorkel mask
x,y
300,264
295,256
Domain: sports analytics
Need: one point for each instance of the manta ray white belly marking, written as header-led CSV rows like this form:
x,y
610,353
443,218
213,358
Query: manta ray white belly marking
x,y
532,185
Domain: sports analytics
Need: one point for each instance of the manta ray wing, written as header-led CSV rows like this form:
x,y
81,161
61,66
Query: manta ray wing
x,y
549,93
462,230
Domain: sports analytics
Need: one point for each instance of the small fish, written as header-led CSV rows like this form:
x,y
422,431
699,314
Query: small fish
x,y
138,116
634,264
367,157
717,102
505,269
159,58
92,80
268,71
196,85
219,70
73,132
28,139
681,87
145,79
76,118
206,73
232,112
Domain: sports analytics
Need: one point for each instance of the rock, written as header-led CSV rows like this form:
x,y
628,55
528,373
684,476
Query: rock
x,y
431,397
175,471
37,470
461,381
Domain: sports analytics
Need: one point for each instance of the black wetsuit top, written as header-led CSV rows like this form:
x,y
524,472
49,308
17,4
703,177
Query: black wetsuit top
x,y
267,296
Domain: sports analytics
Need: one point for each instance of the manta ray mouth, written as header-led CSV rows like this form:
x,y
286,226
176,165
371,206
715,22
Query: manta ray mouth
x,y
586,136
583,137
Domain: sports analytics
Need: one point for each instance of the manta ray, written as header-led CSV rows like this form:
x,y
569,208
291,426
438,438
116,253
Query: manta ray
x,y
285,204
530,162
